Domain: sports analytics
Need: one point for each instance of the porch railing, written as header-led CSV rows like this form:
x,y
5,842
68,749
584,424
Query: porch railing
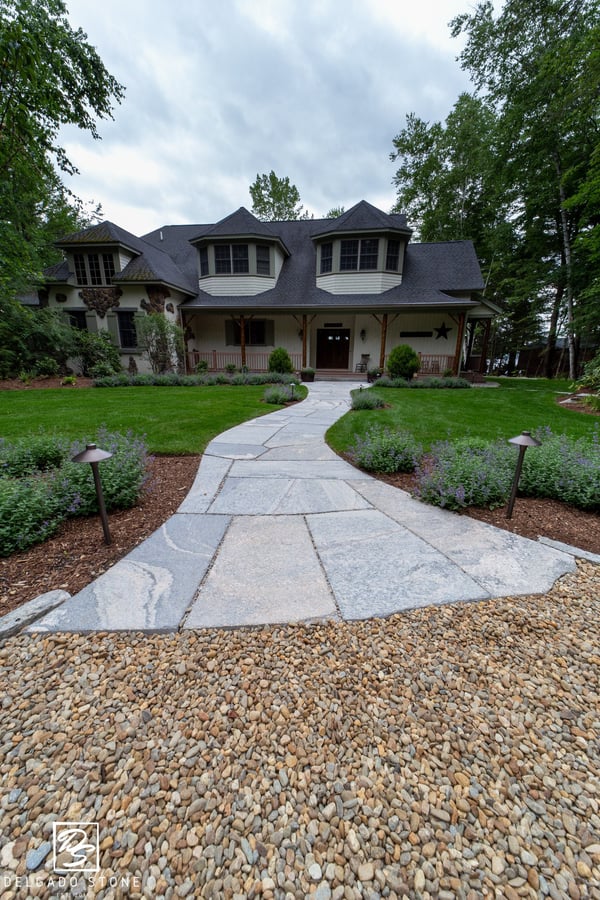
x,y
432,364
218,360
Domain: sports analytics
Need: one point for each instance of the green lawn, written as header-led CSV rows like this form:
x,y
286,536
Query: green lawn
x,y
502,412
174,420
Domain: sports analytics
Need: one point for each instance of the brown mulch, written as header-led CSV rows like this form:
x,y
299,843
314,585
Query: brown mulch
x,y
43,381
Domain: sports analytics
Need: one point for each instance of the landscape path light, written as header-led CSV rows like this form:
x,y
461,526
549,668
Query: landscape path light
x,y
522,441
94,455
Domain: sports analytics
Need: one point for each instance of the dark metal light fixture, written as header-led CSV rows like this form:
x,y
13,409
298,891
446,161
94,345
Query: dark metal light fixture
x,y
363,334
522,441
93,455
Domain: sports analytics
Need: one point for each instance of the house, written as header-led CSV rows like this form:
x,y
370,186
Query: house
x,y
338,294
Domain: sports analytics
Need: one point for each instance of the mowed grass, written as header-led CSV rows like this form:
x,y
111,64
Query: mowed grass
x,y
492,412
178,420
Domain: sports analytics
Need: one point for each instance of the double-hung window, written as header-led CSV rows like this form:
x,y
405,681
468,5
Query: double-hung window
x,y
231,259
359,254
326,257
263,260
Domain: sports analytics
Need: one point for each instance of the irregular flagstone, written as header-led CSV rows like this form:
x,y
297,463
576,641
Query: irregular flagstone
x,y
502,562
275,496
334,468
375,567
211,473
266,572
150,588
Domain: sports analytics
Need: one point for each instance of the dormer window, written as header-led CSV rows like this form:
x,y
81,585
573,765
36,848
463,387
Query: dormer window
x,y
263,260
204,261
231,259
326,257
94,268
393,256
359,254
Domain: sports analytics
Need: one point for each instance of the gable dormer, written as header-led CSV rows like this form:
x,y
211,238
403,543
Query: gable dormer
x,y
239,256
362,251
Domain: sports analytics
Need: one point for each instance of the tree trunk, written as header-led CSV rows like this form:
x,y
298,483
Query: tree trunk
x,y
551,343
566,242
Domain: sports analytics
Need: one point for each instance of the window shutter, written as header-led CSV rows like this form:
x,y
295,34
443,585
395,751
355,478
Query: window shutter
x,y
270,332
91,321
113,327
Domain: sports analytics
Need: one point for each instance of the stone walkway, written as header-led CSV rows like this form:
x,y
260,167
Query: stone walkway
x,y
278,529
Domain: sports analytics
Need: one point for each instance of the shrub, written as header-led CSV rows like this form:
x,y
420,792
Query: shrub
x,y
29,513
403,362
32,507
467,472
384,450
366,400
32,454
163,342
564,469
46,366
95,349
231,368
591,374
278,393
279,361
201,367
101,370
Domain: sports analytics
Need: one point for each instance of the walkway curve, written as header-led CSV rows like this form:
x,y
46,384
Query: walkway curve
x,y
278,529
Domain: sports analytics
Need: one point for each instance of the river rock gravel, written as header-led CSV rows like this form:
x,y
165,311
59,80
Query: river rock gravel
x,y
448,752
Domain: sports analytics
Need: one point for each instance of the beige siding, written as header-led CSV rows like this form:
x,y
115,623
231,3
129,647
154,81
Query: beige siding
x,y
359,282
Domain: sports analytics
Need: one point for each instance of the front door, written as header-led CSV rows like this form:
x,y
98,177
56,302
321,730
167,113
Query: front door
x,y
333,348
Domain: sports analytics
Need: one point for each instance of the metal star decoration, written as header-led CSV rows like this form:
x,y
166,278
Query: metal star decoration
x,y
442,332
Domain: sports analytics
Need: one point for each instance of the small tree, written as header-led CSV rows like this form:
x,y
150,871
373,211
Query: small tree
x,y
279,361
403,362
163,342
96,354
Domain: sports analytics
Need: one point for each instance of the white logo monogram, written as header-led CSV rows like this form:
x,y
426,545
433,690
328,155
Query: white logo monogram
x,y
76,847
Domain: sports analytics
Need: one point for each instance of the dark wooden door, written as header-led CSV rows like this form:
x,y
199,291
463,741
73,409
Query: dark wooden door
x,y
333,348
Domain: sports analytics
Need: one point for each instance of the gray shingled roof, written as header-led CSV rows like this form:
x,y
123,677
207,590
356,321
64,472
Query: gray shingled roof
x,y
433,273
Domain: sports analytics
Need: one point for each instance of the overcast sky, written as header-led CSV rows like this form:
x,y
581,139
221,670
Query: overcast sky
x,y
218,91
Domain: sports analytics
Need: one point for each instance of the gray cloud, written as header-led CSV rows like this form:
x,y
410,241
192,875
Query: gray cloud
x,y
218,92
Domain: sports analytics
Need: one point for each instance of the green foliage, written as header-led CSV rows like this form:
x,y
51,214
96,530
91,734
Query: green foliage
x,y
201,367
591,374
46,366
37,453
50,77
279,361
163,342
384,450
279,394
40,486
94,350
564,469
424,383
403,362
30,336
29,513
467,472
275,199
362,399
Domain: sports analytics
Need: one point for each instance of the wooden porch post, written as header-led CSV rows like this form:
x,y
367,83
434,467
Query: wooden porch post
x,y
484,347
304,347
459,342
384,326
243,339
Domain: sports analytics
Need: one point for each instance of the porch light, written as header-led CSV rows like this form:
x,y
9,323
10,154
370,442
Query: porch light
x,y
363,334
94,455
522,441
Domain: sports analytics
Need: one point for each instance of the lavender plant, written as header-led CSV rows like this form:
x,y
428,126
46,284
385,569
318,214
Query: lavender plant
x,y
384,450
468,472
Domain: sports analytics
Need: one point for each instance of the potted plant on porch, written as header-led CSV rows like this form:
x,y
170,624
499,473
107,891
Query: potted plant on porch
x,y
374,373
307,373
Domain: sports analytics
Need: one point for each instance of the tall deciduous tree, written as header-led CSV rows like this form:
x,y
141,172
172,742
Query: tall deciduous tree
x,y
275,199
538,64
50,76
